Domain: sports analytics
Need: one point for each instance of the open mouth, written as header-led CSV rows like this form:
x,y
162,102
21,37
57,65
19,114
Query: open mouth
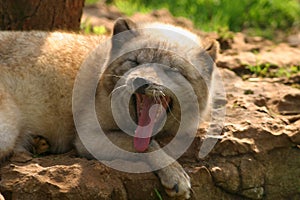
x,y
149,114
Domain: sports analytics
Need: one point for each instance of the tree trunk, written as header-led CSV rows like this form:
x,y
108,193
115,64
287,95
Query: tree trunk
x,y
40,14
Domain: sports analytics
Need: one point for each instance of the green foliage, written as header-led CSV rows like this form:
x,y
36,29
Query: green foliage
x,y
89,2
287,72
87,28
246,92
259,70
131,7
99,30
260,16
225,34
267,71
158,194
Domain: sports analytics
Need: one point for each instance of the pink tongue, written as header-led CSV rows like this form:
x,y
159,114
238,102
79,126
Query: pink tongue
x,y
145,123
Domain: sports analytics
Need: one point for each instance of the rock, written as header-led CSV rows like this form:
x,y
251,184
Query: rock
x,y
253,193
293,131
289,104
252,173
281,173
253,54
226,176
204,183
294,40
65,177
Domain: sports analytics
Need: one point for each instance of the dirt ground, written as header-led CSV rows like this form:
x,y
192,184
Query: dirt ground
x,y
258,157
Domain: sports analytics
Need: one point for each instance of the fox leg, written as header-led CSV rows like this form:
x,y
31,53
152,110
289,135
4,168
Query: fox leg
x,y
9,125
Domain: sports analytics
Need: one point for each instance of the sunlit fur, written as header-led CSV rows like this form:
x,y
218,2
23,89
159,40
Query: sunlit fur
x,y
38,70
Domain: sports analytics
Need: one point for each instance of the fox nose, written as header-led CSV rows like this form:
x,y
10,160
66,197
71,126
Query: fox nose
x,y
140,85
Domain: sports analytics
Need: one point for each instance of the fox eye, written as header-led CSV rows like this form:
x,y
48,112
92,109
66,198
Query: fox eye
x,y
172,69
133,61
128,64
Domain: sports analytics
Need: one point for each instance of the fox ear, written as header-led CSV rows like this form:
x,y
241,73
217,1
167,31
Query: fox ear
x,y
123,24
212,48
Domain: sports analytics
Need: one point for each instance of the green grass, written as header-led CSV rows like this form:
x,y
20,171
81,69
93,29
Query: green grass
x,y
87,28
260,17
89,2
158,194
267,71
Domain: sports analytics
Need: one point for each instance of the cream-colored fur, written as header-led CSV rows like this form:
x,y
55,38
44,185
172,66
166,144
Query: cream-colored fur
x,y
37,74
36,80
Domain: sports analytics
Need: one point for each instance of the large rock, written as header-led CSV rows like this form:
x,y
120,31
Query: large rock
x,y
258,158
